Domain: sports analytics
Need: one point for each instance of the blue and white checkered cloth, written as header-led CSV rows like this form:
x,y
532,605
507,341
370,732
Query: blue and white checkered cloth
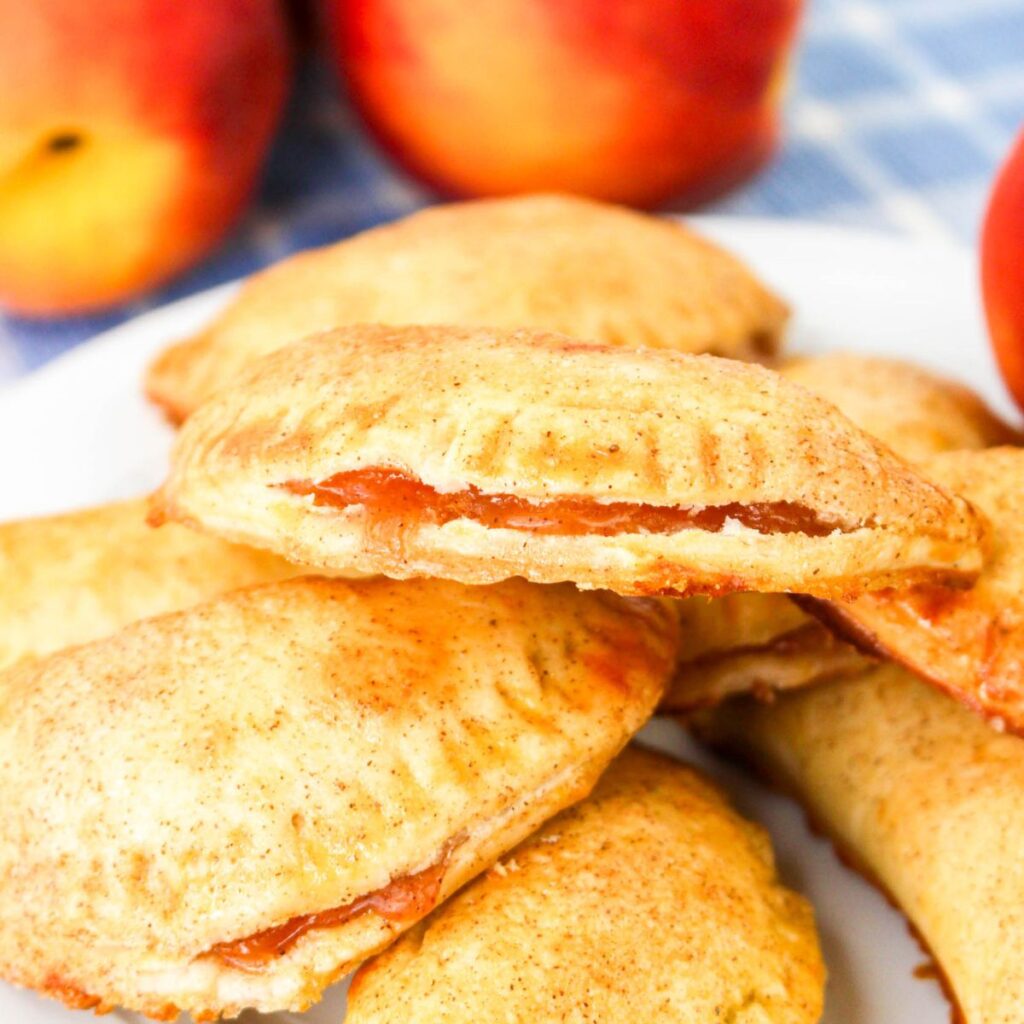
x,y
899,113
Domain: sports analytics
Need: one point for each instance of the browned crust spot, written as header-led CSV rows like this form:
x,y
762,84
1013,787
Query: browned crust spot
x,y
71,995
868,642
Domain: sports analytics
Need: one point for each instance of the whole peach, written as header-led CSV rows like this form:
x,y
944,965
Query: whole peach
x,y
1002,269
636,101
131,133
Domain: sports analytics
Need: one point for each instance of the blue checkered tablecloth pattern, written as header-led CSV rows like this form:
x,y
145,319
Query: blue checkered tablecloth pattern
x,y
898,114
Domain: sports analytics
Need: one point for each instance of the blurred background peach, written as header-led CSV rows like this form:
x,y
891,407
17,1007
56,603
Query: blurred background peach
x,y
146,152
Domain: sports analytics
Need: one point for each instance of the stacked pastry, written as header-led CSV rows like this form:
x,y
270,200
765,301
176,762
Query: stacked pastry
x,y
454,507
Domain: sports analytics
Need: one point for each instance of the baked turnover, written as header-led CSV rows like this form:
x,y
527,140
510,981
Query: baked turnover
x,y
924,798
651,901
478,455
968,641
70,578
234,805
761,642
573,265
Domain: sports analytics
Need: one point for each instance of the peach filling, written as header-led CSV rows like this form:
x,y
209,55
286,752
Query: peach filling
x,y
402,900
396,496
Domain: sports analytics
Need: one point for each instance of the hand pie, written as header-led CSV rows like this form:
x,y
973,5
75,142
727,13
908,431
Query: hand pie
x,y
573,265
651,901
969,642
71,578
916,413
924,798
760,642
752,643
234,805
479,454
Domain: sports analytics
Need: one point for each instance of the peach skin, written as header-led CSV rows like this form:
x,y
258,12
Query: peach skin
x,y
634,101
131,133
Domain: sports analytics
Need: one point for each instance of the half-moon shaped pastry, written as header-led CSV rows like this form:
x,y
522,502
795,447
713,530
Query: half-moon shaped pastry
x,y
925,799
478,455
70,578
760,642
651,901
968,641
234,805
913,411
587,269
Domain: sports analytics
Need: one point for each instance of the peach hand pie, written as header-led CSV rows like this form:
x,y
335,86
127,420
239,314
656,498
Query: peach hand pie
x,y
70,578
652,901
478,455
924,798
970,642
573,265
233,805
760,642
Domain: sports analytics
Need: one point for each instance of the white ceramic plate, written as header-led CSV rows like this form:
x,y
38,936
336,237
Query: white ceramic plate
x,y
78,432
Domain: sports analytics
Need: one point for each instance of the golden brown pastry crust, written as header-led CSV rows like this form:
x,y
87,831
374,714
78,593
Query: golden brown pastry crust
x,y
70,578
913,411
542,417
761,642
282,750
650,901
968,641
924,798
563,264
752,643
